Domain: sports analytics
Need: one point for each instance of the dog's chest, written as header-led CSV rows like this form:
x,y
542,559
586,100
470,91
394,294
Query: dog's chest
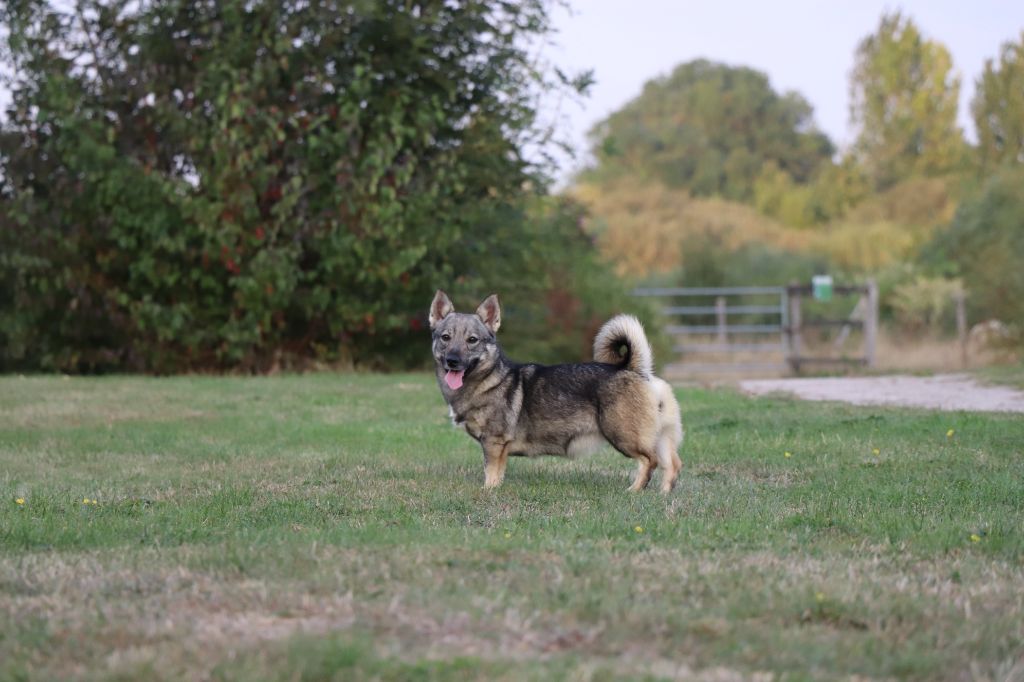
x,y
467,422
476,422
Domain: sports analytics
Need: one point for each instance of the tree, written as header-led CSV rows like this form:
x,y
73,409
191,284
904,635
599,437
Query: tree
x,y
711,129
904,99
985,244
192,184
998,107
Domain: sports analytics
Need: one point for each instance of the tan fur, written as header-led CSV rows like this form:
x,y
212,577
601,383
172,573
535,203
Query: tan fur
x,y
670,433
617,331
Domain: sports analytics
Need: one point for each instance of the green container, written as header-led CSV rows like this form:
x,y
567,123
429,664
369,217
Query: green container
x,y
821,287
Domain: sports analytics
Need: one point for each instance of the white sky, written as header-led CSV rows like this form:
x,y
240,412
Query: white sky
x,y
803,45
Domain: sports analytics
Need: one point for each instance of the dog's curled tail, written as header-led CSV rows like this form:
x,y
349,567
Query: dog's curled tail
x,y
624,331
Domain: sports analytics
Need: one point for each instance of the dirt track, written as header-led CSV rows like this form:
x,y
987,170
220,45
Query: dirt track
x,y
950,392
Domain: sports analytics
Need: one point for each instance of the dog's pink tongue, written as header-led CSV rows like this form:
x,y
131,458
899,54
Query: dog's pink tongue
x,y
454,379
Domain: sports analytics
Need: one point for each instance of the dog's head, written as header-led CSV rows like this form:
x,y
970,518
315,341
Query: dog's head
x,y
464,345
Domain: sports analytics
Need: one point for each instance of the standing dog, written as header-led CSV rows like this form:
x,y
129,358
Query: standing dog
x,y
529,409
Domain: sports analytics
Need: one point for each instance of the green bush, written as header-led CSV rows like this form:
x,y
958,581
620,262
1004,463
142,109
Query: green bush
x,y
926,304
985,245
254,184
712,263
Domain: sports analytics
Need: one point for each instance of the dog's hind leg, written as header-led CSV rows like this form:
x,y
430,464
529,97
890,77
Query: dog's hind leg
x,y
644,470
676,444
628,419
644,454
668,460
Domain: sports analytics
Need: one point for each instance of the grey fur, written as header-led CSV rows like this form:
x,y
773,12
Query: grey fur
x,y
529,409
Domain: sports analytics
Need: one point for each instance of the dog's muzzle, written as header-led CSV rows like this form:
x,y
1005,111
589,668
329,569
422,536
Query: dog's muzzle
x,y
453,377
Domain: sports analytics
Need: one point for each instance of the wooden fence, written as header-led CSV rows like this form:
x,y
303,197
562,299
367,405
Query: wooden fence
x,y
749,330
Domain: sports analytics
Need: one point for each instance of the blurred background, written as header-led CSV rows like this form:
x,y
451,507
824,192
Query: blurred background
x,y
262,186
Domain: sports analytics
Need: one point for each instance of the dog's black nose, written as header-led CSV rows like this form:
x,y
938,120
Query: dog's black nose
x,y
451,362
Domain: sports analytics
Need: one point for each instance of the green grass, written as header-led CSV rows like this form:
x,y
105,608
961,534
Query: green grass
x,y
332,526
1006,374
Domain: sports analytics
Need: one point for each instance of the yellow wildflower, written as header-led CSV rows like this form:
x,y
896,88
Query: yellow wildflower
x,y
949,434
508,535
20,500
819,597
876,451
639,529
85,500
787,455
975,537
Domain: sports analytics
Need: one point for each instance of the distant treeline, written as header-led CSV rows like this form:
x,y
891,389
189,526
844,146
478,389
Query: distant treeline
x,y
710,176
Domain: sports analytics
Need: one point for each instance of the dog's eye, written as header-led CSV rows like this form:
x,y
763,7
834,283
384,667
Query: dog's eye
x,y
472,339
446,337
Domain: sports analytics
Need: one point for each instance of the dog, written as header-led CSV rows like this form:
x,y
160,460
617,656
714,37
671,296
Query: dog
x,y
527,409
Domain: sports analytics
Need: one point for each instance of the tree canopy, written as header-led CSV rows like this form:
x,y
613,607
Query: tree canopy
x,y
998,107
711,129
193,184
904,100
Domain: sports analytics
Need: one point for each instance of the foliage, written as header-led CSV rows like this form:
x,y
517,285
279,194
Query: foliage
x,y
646,228
916,202
251,184
553,305
926,303
836,190
998,107
904,101
711,263
866,247
985,243
777,196
709,128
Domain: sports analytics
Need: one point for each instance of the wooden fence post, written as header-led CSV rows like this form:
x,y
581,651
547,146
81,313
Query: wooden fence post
x,y
961,326
720,319
871,324
795,342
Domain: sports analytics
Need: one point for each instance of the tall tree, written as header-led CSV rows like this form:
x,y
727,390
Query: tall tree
x,y
196,184
904,99
712,129
998,107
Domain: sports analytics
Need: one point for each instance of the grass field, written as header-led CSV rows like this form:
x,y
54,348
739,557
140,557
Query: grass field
x,y
310,527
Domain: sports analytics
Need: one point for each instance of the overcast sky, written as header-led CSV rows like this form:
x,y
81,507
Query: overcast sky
x,y
803,45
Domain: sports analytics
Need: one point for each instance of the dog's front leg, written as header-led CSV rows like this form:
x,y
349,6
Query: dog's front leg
x,y
495,458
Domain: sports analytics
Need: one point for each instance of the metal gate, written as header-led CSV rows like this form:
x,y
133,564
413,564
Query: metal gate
x,y
759,330
725,329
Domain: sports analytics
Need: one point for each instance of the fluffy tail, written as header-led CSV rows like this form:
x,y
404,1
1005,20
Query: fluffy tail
x,y
624,331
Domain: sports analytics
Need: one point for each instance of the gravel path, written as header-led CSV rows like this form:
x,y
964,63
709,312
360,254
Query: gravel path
x,y
941,392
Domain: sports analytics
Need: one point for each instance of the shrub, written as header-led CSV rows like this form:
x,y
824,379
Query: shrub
x,y
251,184
926,303
985,246
647,229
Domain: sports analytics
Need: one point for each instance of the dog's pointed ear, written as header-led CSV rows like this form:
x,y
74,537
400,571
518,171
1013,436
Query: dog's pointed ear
x,y
490,312
440,308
